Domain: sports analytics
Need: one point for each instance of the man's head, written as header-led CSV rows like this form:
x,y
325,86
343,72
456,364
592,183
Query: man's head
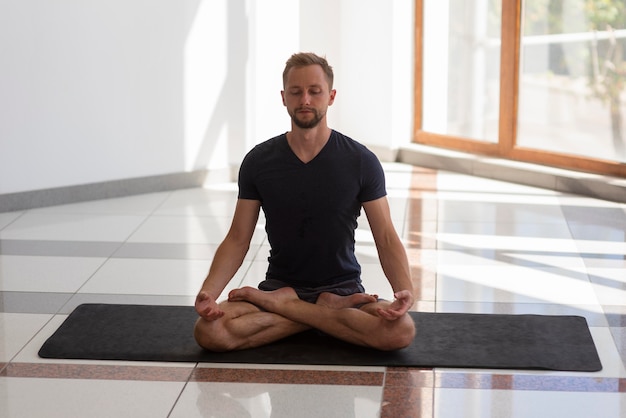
x,y
303,59
307,82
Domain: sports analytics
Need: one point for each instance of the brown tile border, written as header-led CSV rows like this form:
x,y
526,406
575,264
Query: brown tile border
x,y
98,372
409,377
192,373
407,393
298,377
407,402
399,384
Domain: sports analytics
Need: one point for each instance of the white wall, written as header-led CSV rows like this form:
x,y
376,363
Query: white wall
x,y
90,90
99,90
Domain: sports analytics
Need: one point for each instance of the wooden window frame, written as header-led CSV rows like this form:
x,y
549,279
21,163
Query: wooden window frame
x,y
506,147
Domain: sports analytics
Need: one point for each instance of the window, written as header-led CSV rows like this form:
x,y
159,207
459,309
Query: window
x,y
542,81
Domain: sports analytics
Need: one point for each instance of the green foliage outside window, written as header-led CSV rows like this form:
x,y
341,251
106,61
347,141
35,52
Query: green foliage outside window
x,y
601,59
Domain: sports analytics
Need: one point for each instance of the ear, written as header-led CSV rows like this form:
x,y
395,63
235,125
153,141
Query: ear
x,y
282,95
333,92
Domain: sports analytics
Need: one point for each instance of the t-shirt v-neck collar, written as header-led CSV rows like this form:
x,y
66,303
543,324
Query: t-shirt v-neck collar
x,y
291,151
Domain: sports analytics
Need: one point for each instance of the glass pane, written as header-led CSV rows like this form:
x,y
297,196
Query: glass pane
x,y
461,62
572,77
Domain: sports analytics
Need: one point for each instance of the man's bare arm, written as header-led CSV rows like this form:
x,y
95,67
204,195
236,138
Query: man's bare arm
x,y
392,255
228,258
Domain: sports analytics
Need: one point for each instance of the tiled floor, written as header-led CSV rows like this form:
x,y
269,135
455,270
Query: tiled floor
x,y
475,245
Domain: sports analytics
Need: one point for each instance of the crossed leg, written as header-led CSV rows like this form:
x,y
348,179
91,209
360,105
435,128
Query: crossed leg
x,y
254,317
243,325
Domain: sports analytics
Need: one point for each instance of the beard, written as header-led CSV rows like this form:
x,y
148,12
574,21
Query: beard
x,y
307,124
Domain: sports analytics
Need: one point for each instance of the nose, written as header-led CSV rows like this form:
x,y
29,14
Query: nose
x,y
305,99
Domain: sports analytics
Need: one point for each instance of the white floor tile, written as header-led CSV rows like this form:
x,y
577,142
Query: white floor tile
x,y
148,277
8,217
481,211
612,364
546,246
21,273
619,337
277,401
467,403
62,398
189,229
507,229
514,285
611,247
16,330
579,201
250,274
594,314
397,206
609,284
608,229
72,227
397,176
363,235
503,258
375,282
448,181
200,202
604,260
366,253
143,204
254,273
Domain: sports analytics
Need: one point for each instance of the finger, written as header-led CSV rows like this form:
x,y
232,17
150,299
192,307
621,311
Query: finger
x,y
211,316
387,314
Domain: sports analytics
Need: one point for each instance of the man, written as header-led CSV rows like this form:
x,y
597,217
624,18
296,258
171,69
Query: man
x,y
311,183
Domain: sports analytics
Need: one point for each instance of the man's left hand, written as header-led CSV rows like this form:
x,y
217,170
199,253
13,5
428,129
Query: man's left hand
x,y
400,306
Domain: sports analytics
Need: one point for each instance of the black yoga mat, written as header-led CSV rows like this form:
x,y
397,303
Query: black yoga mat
x,y
164,333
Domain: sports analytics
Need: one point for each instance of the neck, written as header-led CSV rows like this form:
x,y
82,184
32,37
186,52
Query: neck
x,y
307,143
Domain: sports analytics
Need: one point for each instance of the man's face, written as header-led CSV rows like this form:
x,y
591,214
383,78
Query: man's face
x,y
307,95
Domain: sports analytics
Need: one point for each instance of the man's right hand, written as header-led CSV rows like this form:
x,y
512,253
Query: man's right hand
x,y
207,307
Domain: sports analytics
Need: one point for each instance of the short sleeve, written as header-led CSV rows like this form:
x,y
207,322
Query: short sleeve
x,y
247,186
372,178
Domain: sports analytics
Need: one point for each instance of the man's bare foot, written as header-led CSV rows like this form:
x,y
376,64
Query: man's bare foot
x,y
268,300
331,300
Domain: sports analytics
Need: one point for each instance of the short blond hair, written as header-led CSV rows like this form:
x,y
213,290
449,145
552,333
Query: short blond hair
x,y
302,59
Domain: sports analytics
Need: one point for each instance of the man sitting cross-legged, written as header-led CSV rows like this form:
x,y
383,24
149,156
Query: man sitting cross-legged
x,y
311,183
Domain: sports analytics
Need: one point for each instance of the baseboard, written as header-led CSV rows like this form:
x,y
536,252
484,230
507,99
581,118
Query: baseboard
x,y
110,189
566,181
385,154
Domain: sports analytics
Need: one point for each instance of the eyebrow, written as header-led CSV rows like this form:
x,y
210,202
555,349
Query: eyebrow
x,y
319,86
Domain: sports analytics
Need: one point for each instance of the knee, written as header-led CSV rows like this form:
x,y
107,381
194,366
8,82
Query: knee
x,y
400,336
211,335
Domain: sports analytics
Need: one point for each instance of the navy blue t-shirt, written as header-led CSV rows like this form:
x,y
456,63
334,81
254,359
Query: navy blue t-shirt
x,y
312,209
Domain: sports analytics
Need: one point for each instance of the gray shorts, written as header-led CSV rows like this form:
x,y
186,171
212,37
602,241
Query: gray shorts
x,y
310,294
